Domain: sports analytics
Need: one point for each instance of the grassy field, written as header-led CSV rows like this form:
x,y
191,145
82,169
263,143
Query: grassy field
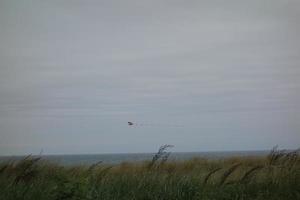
x,y
276,176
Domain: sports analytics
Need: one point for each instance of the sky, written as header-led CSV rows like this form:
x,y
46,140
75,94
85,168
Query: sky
x,y
215,75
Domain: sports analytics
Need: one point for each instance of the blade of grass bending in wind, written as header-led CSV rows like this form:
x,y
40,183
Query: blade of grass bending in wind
x,y
160,154
291,158
228,172
26,169
275,155
210,174
3,168
93,166
250,172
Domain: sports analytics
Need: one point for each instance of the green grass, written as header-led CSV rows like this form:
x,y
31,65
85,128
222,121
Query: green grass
x,y
276,176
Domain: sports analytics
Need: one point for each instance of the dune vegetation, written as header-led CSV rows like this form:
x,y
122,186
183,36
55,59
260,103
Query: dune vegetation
x,y
276,176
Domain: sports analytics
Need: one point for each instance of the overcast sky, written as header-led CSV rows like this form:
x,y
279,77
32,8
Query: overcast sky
x,y
72,73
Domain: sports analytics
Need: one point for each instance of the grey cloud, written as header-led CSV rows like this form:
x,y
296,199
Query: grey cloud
x,y
227,69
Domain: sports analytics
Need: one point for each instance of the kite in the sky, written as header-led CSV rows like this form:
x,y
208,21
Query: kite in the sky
x,y
130,123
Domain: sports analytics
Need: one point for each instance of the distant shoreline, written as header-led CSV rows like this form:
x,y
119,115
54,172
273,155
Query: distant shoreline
x,y
109,158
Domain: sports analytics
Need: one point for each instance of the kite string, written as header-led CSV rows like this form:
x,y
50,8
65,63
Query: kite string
x,y
157,124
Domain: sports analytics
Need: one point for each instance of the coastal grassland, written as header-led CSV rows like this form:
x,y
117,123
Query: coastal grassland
x,y
276,176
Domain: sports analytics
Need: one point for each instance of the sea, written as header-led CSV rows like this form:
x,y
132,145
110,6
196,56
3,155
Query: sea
x,y
89,159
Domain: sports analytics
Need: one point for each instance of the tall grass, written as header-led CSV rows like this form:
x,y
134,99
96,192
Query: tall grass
x,y
276,176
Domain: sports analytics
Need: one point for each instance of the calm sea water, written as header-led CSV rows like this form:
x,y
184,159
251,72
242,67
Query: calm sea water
x,y
89,159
